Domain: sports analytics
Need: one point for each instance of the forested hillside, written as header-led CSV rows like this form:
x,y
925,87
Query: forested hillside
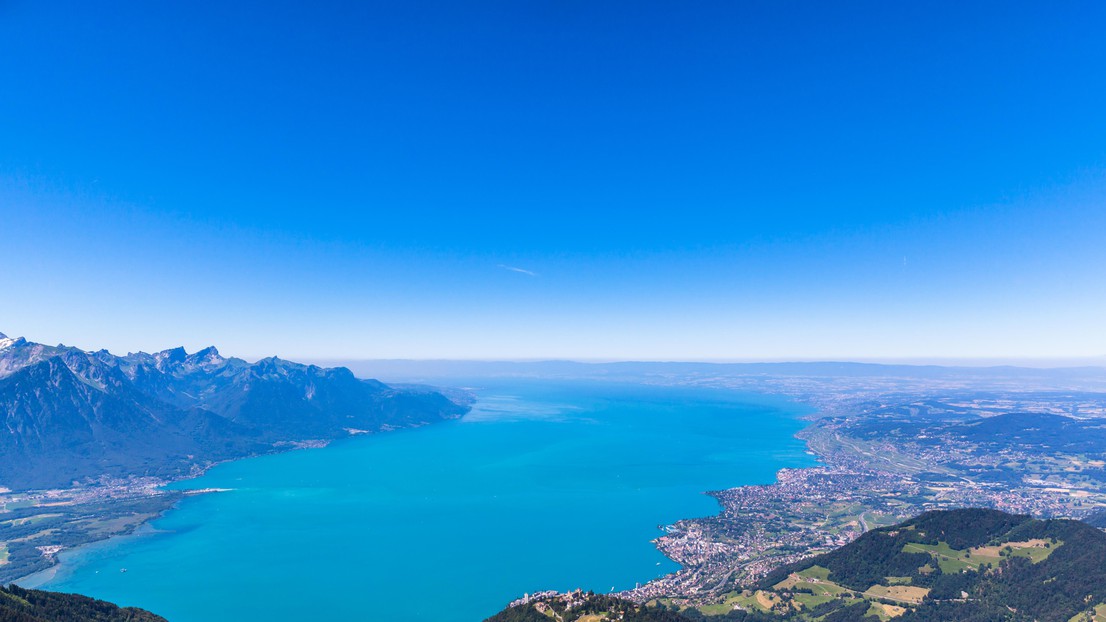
x,y
20,605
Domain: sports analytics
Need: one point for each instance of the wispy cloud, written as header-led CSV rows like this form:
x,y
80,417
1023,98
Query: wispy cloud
x,y
519,270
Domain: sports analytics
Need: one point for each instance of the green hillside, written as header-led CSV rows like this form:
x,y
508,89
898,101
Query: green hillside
x,y
20,605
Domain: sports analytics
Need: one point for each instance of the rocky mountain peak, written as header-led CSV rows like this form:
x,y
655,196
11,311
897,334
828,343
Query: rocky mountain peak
x,y
169,358
207,356
7,342
73,414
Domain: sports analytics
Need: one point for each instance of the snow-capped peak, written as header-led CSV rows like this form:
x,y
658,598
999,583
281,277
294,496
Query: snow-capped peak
x,y
6,342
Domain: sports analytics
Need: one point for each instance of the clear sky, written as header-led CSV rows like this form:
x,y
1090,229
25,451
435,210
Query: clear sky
x,y
568,179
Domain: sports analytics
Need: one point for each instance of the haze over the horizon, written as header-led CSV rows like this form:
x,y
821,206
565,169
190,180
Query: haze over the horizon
x,y
496,180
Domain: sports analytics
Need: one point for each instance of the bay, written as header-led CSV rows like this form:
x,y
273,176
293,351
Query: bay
x,y
543,485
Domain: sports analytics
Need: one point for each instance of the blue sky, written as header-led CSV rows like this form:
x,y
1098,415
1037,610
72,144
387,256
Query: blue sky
x,y
626,180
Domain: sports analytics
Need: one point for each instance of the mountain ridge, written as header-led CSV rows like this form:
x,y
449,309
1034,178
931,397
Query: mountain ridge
x,y
73,416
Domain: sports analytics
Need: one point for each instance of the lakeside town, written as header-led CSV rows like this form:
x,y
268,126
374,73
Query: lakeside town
x,y
892,457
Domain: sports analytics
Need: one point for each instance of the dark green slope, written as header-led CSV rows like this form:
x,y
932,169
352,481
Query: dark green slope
x,y
20,605
1069,580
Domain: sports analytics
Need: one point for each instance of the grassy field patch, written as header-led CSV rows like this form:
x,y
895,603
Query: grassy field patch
x,y
812,580
876,610
900,593
816,572
1098,614
885,612
1036,550
949,559
766,600
29,520
809,601
717,609
745,600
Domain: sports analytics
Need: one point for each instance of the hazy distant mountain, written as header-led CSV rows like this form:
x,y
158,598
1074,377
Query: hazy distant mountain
x,y
433,369
71,415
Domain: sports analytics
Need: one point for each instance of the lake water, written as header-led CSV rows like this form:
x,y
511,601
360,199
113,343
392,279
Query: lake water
x,y
542,486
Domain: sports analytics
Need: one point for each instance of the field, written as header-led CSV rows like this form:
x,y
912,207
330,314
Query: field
x,y
1097,615
29,520
759,600
949,559
883,611
799,592
815,580
901,593
952,561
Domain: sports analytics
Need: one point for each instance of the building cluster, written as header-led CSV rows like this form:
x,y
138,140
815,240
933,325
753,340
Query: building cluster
x,y
106,489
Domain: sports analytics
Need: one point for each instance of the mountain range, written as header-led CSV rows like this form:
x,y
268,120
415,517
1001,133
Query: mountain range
x,y
73,416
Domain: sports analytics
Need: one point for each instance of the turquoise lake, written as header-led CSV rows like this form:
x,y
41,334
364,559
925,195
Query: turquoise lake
x,y
544,485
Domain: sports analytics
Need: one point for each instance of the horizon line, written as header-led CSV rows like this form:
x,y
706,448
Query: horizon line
x,y
1058,362
1026,362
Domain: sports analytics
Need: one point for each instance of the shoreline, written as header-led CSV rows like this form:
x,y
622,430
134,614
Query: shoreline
x,y
801,414
36,580
41,577
645,592
144,528
808,415
858,486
